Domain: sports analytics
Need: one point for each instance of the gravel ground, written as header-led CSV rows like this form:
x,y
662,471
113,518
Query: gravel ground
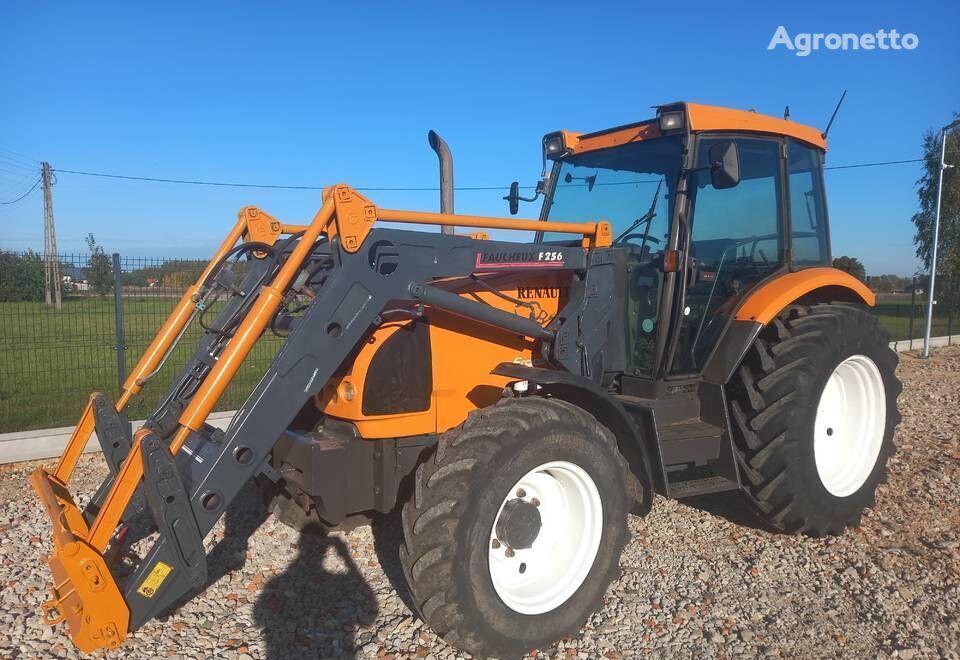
x,y
698,579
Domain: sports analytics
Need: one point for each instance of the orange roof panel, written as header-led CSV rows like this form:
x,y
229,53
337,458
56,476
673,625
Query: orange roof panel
x,y
702,118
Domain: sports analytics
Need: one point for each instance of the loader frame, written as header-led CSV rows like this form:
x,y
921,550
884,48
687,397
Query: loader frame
x,y
370,269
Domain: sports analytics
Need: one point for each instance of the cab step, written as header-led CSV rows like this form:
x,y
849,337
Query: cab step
x,y
702,486
690,441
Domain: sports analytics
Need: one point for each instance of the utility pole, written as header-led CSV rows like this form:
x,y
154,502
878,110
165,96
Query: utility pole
x,y
51,260
925,353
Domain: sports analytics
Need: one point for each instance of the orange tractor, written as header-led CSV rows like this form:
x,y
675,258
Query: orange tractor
x,y
674,327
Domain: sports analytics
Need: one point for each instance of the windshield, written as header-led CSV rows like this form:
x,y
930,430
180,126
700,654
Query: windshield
x,y
620,185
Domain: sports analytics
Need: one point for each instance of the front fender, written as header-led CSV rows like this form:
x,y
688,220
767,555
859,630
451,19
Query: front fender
x,y
583,393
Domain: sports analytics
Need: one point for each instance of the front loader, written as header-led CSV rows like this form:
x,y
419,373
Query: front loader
x,y
515,399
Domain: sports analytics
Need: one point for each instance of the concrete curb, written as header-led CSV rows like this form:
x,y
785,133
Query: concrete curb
x,y
49,443
917,344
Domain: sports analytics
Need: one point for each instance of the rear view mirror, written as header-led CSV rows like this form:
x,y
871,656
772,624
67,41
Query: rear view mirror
x,y
590,181
514,197
724,165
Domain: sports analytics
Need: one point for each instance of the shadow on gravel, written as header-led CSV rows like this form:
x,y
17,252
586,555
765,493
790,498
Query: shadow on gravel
x,y
387,537
731,507
244,516
310,610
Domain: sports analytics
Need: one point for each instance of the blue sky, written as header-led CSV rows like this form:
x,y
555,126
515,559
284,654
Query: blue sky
x,y
315,93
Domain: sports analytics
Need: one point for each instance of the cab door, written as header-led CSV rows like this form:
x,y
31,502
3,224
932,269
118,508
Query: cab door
x,y
736,241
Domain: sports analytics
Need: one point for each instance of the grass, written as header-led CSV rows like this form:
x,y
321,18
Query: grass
x,y
894,312
51,361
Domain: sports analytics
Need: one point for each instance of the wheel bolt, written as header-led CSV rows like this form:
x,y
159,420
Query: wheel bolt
x,y
535,502
495,544
521,492
509,552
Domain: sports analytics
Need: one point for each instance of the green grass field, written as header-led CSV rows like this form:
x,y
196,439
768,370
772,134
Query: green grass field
x,y
893,310
51,361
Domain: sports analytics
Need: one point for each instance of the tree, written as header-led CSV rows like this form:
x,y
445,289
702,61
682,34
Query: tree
x,y
21,277
948,251
99,269
851,265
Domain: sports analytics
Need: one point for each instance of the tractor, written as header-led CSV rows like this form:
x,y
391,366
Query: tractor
x,y
672,326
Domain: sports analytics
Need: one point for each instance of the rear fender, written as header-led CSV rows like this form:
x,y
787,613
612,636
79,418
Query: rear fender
x,y
807,286
810,284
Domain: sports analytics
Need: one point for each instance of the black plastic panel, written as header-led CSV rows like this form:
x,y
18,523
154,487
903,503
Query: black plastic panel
x,y
400,379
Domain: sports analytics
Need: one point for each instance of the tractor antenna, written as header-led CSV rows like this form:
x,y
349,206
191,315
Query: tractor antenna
x,y
834,115
786,112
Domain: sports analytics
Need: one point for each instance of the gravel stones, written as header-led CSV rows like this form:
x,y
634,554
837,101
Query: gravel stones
x,y
699,578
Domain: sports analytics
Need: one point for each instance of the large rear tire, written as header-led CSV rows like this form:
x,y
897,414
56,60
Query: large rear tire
x,y
516,526
814,408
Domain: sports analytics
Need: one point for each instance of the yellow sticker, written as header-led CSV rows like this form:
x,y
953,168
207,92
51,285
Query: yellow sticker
x,y
154,580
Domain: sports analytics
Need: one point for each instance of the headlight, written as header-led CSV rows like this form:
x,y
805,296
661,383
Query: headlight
x,y
671,121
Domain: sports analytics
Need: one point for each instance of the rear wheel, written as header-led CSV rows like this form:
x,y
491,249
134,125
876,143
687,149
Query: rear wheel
x,y
814,408
516,526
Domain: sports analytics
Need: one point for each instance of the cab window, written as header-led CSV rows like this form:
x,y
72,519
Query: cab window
x,y
807,208
736,241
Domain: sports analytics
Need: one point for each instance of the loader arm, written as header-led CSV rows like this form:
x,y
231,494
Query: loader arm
x,y
364,271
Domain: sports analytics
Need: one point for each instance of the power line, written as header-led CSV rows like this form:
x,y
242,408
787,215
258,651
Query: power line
x,y
887,162
233,184
17,157
392,189
230,184
32,188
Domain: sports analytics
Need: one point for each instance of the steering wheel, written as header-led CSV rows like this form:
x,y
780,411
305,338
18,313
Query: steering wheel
x,y
650,239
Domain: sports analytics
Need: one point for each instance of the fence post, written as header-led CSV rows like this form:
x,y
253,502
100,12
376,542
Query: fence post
x,y
913,310
121,345
951,302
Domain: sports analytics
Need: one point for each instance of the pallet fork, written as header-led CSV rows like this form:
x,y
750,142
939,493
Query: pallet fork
x,y
183,473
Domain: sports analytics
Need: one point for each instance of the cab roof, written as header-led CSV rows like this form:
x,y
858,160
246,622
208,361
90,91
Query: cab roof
x,y
700,118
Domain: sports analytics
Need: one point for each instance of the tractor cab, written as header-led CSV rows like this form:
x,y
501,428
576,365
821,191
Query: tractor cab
x,y
706,204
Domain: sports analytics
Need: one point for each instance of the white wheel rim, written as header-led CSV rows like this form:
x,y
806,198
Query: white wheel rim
x,y
849,427
542,577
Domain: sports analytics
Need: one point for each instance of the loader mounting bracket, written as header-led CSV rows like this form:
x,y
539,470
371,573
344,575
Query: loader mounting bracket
x,y
170,506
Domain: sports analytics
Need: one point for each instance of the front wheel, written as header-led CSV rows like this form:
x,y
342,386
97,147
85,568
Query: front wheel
x,y
516,526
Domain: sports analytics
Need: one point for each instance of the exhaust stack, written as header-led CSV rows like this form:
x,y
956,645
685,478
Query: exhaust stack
x,y
438,144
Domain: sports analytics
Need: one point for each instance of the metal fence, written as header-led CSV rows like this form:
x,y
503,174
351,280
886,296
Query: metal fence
x,y
51,360
112,305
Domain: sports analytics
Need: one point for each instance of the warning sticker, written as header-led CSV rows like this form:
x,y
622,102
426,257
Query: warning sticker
x,y
154,580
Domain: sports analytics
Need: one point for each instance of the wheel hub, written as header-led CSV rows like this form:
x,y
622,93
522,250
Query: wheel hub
x,y
849,426
545,537
519,524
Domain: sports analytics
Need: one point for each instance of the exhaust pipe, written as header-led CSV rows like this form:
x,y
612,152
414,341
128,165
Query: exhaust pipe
x,y
438,144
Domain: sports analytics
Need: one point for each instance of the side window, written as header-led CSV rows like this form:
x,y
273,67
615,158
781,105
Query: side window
x,y
807,207
736,241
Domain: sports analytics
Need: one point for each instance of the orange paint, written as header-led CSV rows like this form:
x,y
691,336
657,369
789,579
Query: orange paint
x,y
78,440
84,594
463,353
591,230
714,118
261,228
701,118
767,301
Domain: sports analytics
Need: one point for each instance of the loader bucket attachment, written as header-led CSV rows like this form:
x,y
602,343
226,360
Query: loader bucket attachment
x,y
84,592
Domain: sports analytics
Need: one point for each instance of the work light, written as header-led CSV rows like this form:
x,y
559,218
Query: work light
x,y
671,121
553,146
